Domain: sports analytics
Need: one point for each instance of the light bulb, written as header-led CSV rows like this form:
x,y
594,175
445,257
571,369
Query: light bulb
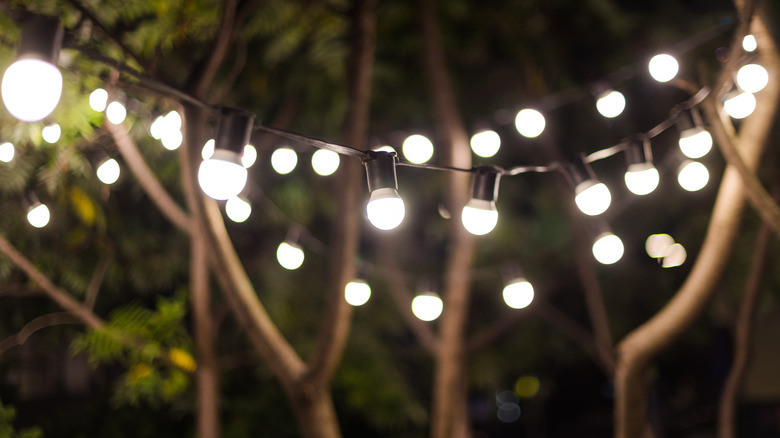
x,y
290,256
7,152
171,139
157,128
31,89
385,208
51,134
592,198
695,142
611,104
427,306
249,156
237,209
675,256
38,215
752,78
108,171
357,293
385,148
739,105
749,43
284,160
608,248
663,68
642,178
116,112
417,149
479,216
518,294
485,143
693,176
325,162
222,176
208,149
173,120
98,100
529,123
657,245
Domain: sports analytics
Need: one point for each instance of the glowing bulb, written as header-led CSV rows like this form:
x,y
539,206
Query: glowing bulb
x,y
518,294
222,176
51,133
31,89
385,148
663,68
108,171
173,121
592,198
740,105
657,245
116,112
7,152
98,100
608,248
157,128
611,104
479,216
642,178
752,78
529,123
749,43
208,149
385,209
249,156
427,306
675,256
171,139
38,215
325,162
417,149
237,209
485,143
695,142
357,293
693,176
284,160
290,256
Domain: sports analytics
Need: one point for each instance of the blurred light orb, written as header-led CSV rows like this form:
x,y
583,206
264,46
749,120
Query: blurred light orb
x,y
357,293
479,216
116,112
38,215
675,256
385,209
51,134
608,248
693,176
592,198
518,294
486,143
611,104
290,256
222,176
238,210
157,128
108,171
527,387
385,148
739,105
208,149
7,152
31,89
427,306
417,149
171,139
695,142
98,100
249,157
508,412
657,245
663,67
642,178
752,78
173,120
325,162
284,160
530,123
749,43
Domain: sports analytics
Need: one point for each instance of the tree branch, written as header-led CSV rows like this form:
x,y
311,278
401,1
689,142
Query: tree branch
x,y
219,50
39,323
491,333
96,281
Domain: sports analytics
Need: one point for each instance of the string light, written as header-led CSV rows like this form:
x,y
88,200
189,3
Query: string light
x,y
518,293
675,256
530,123
7,152
611,103
325,162
749,43
641,177
51,133
289,255
357,293
479,216
752,78
108,171
222,176
385,208
116,113
657,245
284,160
427,306
663,67
249,156
238,209
591,196
417,149
98,100
693,176
695,141
485,143
739,104
608,248
38,215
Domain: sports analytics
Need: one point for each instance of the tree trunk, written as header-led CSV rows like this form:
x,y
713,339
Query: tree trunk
x,y
314,412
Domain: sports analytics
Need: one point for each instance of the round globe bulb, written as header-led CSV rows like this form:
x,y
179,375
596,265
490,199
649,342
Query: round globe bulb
x,y
693,176
116,112
357,293
173,120
284,160
51,134
479,216
529,123
417,149
157,128
208,149
675,256
290,256
749,43
518,294
249,156
752,78
108,171
592,198
171,139
642,178
98,100
238,210
222,176
611,104
608,249
31,89
486,143
663,68
385,209
427,306
325,162
740,105
7,152
657,245
695,142
38,215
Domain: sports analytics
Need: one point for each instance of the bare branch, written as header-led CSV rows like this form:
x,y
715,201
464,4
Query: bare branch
x,y
39,323
219,50
96,281
491,333
19,290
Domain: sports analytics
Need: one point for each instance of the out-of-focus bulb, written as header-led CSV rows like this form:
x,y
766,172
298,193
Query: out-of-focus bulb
x,y
485,143
108,171
749,43
385,208
38,215
479,216
529,123
642,178
116,112
663,67
608,248
157,128
592,198
357,293
693,176
739,105
284,160
222,176
290,256
385,148
657,245
675,256
172,139
51,134
238,210
518,294
31,89
752,78
417,149
427,306
7,152
98,100
611,104
208,149
325,162
695,142
249,156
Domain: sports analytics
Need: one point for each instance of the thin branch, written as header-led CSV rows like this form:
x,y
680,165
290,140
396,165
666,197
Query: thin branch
x,y
117,39
491,333
577,333
39,323
219,50
19,290
96,281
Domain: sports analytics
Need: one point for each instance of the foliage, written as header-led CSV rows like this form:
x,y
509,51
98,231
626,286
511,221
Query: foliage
x,y
7,415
